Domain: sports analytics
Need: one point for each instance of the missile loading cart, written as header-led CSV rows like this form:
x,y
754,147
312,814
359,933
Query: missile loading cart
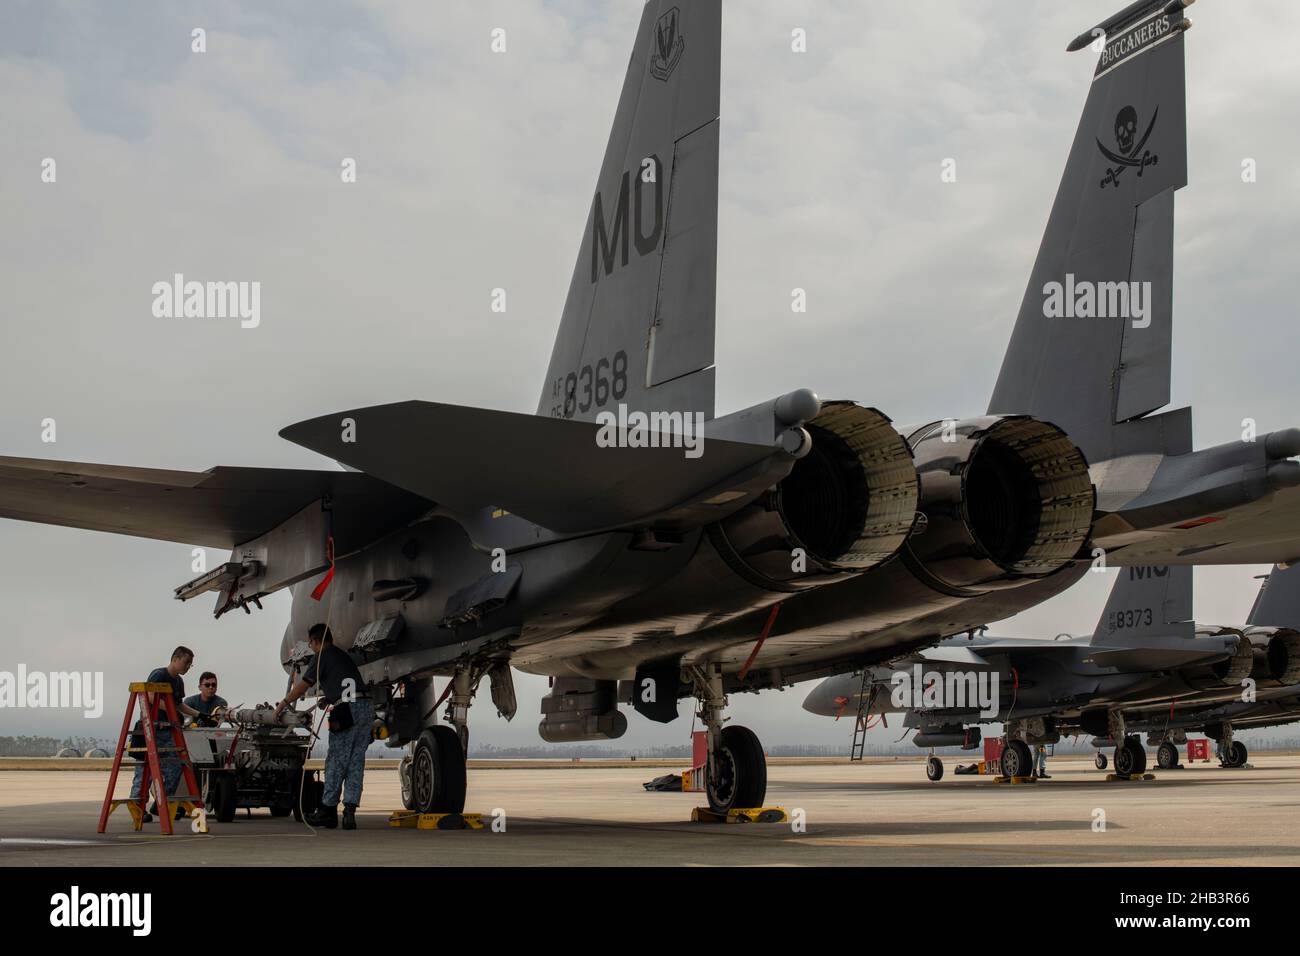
x,y
253,760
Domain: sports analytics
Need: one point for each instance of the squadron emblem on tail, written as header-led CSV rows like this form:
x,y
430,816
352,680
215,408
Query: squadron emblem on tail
x,y
1126,123
669,45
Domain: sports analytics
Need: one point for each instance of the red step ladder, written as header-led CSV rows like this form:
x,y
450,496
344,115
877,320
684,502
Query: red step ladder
x,y
149,697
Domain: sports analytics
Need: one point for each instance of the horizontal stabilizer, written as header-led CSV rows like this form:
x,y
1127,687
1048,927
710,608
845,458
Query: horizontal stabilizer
x,y
952,655
551,471
219,508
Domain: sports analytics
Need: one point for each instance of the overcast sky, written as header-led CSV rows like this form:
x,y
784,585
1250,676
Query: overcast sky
x,y
475,171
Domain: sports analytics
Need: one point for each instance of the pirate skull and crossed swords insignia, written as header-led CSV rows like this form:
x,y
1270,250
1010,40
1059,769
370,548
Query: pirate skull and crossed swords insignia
x,y
1131,149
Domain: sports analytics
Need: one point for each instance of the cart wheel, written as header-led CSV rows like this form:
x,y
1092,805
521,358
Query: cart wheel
x,y
934,768
223,804
312,790
1101,760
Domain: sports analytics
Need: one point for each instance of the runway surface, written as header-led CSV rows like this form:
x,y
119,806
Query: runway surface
x,y
870,814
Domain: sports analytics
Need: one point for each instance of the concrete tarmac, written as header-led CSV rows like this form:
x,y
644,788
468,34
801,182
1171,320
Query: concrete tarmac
x,y
863,814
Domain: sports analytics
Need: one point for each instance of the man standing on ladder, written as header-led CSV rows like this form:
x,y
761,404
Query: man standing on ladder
x,y
351,716
173,673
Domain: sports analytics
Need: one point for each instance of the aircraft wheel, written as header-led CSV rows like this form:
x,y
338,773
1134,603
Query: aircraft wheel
x,y
1167,756
1130,758
1237,754
438,772
1017,760
742,772
1101,761
404,779
934,768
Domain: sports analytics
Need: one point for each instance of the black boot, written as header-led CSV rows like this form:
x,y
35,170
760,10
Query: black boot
x,y
327,817
349,816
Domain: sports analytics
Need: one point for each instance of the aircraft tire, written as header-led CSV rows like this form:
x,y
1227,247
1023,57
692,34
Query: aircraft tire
x,y
934,769
404,780
1017,760
742,782
438,772
1238,754
1166,756
1130,758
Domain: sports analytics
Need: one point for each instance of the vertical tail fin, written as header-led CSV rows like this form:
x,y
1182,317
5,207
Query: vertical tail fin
x,y
1278,601
1147,602
638,322
1091,344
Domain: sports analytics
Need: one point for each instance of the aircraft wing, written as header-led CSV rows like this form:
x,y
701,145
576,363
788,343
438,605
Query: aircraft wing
x,y
1176,654
554,472
219,508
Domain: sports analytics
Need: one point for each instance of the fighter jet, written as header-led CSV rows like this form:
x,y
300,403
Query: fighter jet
x,y
1268,697
632,545
1145,650
1146,668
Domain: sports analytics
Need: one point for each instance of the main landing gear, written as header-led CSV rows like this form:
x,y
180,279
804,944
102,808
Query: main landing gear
x,y
1233,753
737,770
1017,759
1130,755
433,775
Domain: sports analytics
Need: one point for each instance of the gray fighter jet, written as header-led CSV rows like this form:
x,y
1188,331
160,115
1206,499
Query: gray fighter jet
x,y
1146,668
1270,696
625,532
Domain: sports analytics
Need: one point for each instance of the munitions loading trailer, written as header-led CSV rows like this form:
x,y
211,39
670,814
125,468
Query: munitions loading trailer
x,y
253,760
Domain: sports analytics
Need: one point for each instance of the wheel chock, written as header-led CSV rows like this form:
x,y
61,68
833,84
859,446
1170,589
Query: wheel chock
x,y
1015,780
746,815
412,820
1136,777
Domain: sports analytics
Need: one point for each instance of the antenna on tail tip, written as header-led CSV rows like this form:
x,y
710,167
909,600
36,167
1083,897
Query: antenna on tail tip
x,y
1126,18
